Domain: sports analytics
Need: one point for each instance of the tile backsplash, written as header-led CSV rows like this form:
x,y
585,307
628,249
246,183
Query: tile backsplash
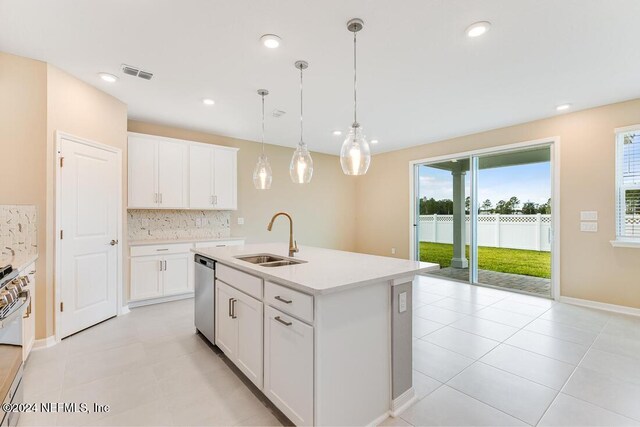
x,y
148,224
18,230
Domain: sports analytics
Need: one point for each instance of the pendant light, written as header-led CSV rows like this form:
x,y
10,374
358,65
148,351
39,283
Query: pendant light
x,y
355,155
262,176
301,167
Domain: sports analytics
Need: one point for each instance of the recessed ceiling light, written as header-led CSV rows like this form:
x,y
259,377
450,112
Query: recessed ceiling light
x,y
337,132
374,141
108,77
563,107
208,101
270,40
478,28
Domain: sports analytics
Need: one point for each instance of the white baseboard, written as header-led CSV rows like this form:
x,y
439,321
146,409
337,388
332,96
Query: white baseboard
x,y
134,304
44,343
402,402
601,306
124,310
379,420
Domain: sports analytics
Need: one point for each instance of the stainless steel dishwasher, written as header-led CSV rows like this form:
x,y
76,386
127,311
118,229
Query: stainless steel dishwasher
x,y
205,297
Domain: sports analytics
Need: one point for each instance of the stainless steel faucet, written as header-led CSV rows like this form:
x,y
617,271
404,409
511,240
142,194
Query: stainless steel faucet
x,y
293,245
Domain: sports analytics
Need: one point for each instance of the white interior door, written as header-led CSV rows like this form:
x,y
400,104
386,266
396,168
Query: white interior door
x,y
89,212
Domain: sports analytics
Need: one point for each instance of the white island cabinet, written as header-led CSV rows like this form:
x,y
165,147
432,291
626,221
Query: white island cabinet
x,y
325,340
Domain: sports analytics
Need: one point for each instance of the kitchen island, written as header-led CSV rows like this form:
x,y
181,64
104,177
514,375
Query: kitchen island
x,y
325,335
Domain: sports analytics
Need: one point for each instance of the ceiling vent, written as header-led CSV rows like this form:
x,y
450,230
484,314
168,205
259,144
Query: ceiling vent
x,y
133,71
278,113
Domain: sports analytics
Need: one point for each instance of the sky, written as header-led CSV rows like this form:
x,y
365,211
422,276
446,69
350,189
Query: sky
x,y
530,182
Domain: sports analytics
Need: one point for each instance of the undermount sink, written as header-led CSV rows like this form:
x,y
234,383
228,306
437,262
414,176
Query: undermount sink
x,y
269,260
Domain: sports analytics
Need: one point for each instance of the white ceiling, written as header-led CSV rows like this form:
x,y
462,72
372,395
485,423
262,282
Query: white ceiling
x,y
420,78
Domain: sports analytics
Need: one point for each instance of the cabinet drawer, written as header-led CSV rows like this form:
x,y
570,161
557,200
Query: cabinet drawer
x,y
219,243
293,302
173,248
242,281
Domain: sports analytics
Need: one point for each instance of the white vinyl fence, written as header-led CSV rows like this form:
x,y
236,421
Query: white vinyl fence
x,y
501,231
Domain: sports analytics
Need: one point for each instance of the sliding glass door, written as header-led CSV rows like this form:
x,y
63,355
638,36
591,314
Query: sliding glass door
x,y
486,218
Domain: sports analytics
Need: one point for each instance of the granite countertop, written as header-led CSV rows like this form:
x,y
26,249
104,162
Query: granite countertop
x,y
325,271
182,240
10,361
20,261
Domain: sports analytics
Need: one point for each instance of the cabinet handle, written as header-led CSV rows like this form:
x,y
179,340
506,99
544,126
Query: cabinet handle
x,y
155,197
233,308
284,322
165,265
160,197
286,301
215,200
230,299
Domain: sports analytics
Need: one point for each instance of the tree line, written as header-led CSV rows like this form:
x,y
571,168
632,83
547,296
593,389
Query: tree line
x,y
504,207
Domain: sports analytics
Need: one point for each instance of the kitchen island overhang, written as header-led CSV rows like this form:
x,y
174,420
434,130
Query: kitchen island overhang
x,y
356,310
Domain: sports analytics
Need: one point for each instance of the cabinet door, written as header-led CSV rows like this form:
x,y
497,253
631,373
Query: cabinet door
x,y
29,321
226,326
143,173
145,277
249,317
225,179
173,174
175,274
201,177
288,365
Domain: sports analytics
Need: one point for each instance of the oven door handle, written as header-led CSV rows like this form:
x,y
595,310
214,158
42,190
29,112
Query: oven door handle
x,y
16,313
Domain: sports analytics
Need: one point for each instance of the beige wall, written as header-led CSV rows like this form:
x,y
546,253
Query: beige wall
x,y
79,109
23,130
590,267
323,211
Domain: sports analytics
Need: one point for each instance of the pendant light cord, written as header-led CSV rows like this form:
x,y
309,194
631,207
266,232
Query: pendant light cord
x,y
355,81
262,123
301,93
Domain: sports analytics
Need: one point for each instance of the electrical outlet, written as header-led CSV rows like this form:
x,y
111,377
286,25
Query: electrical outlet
x,y
393,251
402,302
591,227
240,221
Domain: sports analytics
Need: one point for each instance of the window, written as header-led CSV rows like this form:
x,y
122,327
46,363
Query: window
x,y
628,185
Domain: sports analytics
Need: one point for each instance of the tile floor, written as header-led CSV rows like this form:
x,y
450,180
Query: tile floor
x,y
481,357
533,285
489,357
150,367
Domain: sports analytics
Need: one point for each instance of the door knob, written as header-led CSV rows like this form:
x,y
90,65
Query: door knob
x,y
113,242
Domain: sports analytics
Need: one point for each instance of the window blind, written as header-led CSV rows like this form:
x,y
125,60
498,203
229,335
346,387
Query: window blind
x,y
628,179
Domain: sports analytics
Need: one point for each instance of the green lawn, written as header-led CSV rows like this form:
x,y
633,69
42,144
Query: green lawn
x,y
516,261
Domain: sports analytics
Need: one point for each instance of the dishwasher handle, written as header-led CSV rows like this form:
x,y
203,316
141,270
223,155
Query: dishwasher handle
x,y
205,262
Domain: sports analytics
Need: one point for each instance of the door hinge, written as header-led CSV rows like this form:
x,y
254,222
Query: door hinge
x,y
61,161
61,234
61,306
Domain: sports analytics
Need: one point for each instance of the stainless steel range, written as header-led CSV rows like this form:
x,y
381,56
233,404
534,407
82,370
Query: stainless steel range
x,y
15,302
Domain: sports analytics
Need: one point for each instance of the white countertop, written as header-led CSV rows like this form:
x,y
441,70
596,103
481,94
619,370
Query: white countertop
x,y
182,240
325,271
19,261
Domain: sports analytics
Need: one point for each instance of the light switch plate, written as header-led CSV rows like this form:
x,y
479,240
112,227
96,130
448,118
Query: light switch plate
x,y
588,215
240,221
402,303
591,227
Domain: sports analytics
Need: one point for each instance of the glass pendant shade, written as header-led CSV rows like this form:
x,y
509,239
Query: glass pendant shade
x,y
355,156
262,176
301,167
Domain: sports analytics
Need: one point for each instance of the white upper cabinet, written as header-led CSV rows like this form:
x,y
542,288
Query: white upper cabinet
x,y
167,173
173,175
225,179
201,189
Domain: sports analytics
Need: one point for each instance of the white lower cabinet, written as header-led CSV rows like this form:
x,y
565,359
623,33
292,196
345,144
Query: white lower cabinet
x,y
145,277
239,330
29,319
177,267
288,365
